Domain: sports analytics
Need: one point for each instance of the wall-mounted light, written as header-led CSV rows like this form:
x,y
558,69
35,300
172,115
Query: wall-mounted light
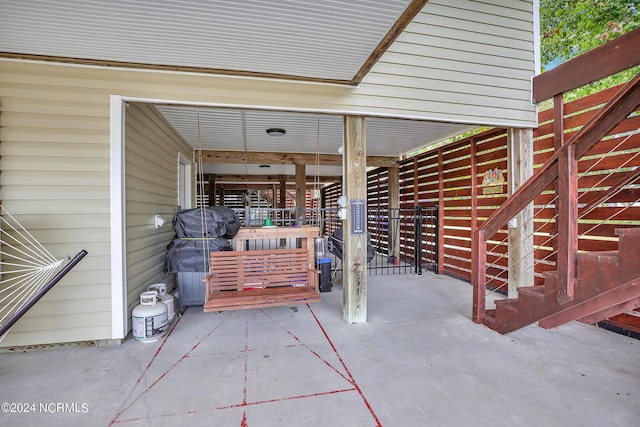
x,y
158,221
276,131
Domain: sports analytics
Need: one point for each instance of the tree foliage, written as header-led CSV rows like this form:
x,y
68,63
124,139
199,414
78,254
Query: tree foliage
x,y
569,28
572,27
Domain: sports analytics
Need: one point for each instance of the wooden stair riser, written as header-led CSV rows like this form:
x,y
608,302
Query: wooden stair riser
x,y
532,308
506,314
597,272
550,281
598,277
489,318
629,250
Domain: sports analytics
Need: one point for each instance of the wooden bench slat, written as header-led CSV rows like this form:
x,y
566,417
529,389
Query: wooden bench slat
x,y
251,279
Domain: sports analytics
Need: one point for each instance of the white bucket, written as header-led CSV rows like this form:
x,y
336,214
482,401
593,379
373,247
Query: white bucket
x,y
149,319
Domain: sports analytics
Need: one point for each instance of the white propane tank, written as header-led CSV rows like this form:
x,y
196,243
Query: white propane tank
x,y
166,298
149,319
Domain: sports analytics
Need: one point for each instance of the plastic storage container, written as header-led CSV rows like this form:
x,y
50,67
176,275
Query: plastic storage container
x,y
320,247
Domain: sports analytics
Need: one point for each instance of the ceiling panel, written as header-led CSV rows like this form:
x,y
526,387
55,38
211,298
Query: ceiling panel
x,y
312,38
245,130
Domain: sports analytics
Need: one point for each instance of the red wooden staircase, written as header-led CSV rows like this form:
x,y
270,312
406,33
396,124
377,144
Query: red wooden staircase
x,y
586,284
607,284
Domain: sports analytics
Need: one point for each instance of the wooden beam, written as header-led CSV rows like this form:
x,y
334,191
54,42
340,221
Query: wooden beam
x,y
396,29
617,296
354,273
165,67
612,311
249,186
617,55
273,178
259,158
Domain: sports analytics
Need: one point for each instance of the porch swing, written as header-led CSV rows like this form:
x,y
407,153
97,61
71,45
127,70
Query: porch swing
x,y
243,279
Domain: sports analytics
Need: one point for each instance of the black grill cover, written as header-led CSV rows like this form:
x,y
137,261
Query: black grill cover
x,y
186,256
335,244
220,221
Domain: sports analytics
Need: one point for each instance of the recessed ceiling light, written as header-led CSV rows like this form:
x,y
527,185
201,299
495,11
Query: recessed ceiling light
x,y
276,131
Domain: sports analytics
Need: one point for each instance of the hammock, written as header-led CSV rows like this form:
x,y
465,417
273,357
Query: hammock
x,y
27,271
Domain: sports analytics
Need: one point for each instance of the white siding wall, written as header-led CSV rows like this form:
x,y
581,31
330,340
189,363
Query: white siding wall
x,y
459,60
151,187
55,180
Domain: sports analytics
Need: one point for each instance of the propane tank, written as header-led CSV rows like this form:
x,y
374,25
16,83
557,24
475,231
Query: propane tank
x,y
149,319
166,298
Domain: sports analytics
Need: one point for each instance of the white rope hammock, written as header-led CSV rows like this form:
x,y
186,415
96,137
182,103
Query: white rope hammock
x,y
26,267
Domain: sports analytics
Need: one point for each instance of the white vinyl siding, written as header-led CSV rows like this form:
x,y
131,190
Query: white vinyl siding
x,y
460,61
54,162
151,187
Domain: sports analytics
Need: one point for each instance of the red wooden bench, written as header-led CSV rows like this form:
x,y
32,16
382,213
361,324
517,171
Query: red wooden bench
x,y
264,278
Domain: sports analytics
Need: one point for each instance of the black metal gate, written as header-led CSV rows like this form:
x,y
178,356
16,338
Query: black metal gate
x,y
404,240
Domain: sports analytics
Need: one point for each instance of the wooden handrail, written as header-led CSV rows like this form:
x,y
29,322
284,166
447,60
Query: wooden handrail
x,y
616,110
613,57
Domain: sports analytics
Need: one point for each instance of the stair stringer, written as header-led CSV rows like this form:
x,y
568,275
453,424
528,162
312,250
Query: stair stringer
x,y
607,284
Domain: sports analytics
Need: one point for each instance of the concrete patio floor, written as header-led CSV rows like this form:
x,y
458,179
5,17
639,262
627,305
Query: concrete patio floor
x,y
418,361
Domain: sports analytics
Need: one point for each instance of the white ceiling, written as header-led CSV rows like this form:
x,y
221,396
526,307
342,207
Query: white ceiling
x,y
308,39
325,39
245,130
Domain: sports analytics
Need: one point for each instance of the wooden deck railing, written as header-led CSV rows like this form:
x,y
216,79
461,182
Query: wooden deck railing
x,y
562,166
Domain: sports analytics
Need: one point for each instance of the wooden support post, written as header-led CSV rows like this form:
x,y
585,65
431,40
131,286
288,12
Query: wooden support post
x,y
521,255
211,187
474,206
566,207
355,245
394,211
282,203
416,182
479,276
567,222
301,195
301,190
221,191
440,241
558,142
